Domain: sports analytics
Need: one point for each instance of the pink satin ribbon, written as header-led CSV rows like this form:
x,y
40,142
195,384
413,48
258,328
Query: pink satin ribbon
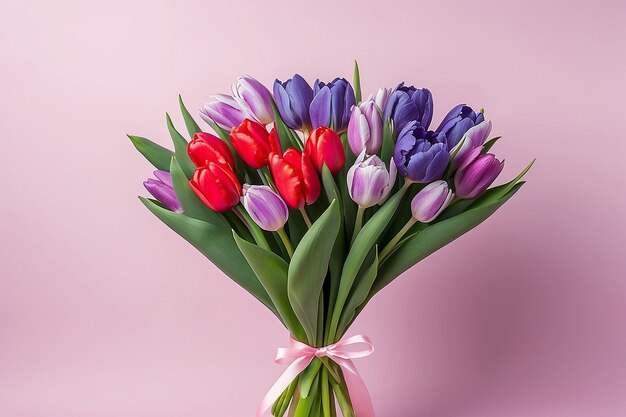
x,y
299,355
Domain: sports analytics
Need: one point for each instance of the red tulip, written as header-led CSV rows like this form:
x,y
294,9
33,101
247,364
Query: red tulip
x,y
217,186
295,178
324,147
205,148
275,142
252,142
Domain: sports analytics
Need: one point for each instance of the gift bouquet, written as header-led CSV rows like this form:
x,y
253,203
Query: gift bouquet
x,y
313,200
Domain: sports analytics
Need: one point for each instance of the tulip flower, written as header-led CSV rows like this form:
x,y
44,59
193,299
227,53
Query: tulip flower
x,y
254,98
162,189
217,186
369,182
295,178
407,104
430,201
477,176
380,98
471,144
266,208
457,122
420,155
251,140
293,98
205,148
365,129
331,104
222,110
324,147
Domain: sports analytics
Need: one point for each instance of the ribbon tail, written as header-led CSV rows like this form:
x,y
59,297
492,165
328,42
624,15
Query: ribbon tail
x,y
359,395
283,382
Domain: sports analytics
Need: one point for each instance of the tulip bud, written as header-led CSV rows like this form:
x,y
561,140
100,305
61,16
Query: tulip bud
x,y
217,186
457,122
222,110
471,144
162,189
365,129
324,147
408,104
266,208
293,98
295,178
420,156
205,148
380,98
254,98
430,201
331,104
369,182
251,140
477,176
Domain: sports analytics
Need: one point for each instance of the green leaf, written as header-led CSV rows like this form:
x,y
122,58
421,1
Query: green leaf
x,y
433,238
489,144
219,247
357,82
190,123
308,269
386,151
180,148
157,155
271,270
349,207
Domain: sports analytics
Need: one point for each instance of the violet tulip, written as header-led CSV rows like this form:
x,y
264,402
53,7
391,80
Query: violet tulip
x,y
380,98
477,176
407,104
222,110
420,155
162,189
254,98
365,128
430,201
293,98
458,121
265,207
471,144
369,182
331,104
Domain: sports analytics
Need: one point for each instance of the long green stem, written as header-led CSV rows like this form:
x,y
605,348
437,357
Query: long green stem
x,y
393,242
358,223
306,218
283,236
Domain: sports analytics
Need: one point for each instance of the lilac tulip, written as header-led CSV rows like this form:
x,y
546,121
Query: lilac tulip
x,y
430,201
407,104
162,189
293,99
254,98
369,182
477,176
420,155
331,104
267,209
224,111
365,129
471,144
380,98
458,121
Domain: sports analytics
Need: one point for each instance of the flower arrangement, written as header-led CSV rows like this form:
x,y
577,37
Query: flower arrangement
x,y
313,200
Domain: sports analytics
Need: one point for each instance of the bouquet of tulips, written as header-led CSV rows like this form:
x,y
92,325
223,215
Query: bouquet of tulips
x,y
313,200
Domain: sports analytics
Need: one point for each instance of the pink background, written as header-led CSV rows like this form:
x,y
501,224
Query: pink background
x,y
105,312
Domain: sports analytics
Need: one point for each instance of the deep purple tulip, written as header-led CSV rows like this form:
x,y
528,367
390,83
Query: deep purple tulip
x,y
477,176
430,201
331,104
420,155
224,111
458,121
293,99
471,144
267,209
365,129
407,104
369,182
254,98
162,189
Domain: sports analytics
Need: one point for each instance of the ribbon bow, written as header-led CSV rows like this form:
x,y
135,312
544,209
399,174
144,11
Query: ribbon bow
x,y
299,355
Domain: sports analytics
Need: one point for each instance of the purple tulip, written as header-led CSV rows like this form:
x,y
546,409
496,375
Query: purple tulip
x,y
293,98
254,98
471,144
331,104
477,176
380,98
458,121
224,111
162,189
267,209
369,182
420,155
365,129
431,201
407,104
